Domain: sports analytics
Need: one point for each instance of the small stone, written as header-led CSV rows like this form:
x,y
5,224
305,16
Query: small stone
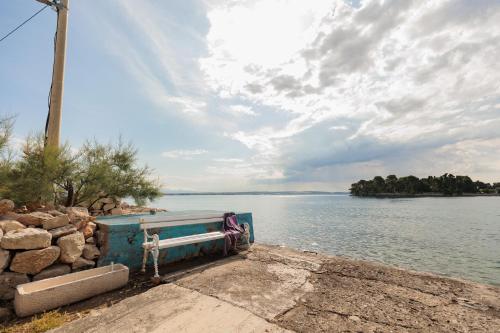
x,y
90,240
8,283
56,222
35,218
5,313
54,212
91,252
4,259
71,247
106,200
1,234
52,271
34,261
355,319
96,205
108,206
77,214
9,225
26,239
116,211
88,230
82,263
62,231
6,206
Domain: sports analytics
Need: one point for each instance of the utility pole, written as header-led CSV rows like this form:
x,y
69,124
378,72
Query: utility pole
x,y
53,128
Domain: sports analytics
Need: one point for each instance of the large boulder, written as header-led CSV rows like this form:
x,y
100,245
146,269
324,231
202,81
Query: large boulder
x,y
62,231
91,252
26,239
52,271
56,222
81,264
6,206
34,261
9,225
71,247
8,283
35,218
4,259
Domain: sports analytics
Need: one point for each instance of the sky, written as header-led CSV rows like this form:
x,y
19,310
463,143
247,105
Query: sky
x,y
222,95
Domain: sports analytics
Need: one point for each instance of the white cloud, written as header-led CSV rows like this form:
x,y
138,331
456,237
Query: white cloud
x,y
184,154
420,74
241,110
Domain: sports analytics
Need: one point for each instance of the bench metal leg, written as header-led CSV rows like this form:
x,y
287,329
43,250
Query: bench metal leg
x,y
144,260
156,252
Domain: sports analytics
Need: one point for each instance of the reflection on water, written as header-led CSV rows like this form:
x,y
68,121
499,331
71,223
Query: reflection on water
x,y
457,237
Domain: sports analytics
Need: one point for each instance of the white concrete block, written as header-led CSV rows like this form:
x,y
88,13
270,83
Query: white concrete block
x,y
43,295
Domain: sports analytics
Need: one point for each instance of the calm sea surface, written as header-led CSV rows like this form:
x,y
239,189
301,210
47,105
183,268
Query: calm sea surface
x,y
457,237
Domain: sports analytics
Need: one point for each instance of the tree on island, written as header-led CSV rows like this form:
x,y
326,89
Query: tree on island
x,y
446,184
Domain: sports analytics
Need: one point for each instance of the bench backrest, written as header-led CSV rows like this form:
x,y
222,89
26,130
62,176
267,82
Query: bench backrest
x,y
172,221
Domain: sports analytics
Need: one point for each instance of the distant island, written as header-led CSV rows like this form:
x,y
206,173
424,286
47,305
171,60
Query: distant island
x,y
411,186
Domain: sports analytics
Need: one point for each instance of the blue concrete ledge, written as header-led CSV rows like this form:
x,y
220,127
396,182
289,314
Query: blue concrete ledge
x,y
121,239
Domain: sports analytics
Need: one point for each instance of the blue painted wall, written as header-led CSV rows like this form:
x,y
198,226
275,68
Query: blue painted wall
x,y
121,238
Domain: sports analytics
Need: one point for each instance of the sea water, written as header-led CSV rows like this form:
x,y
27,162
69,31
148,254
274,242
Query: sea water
x,y
458,237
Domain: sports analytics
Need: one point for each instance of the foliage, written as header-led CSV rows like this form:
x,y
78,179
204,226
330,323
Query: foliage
x,y
5,158
39,324
30,179
446,184
106,170
57,175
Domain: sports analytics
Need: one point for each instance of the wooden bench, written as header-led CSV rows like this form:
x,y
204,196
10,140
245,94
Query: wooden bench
x,y
153,244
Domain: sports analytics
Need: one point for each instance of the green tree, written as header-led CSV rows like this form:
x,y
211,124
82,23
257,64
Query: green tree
x,y
103,170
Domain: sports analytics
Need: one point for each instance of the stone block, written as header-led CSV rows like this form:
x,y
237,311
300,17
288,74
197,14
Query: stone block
x,y
35,218
34,261
71,247
52,271
26,239
63,231
9,225
9,282
56,222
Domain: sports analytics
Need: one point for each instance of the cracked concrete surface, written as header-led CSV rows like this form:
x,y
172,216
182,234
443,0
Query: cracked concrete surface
x,y
279,290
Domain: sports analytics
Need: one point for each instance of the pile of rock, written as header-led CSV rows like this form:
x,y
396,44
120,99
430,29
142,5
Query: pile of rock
x,y
114,206
43,244
106,206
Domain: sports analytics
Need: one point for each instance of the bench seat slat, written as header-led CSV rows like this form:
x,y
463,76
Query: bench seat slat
x,y
149,225
163,218
186,240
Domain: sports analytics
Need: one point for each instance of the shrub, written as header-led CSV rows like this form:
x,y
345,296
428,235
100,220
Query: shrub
x,y
44,175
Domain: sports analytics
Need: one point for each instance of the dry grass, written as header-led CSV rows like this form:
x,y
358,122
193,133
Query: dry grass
x,y
39,324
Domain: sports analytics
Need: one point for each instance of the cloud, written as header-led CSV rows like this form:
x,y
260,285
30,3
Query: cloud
x,y
385,83
241,110
184,154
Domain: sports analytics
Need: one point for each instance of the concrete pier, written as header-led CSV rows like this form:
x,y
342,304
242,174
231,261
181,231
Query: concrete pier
x,y
274,289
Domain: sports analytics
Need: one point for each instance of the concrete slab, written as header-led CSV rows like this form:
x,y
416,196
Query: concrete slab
x,y
276,289
170,308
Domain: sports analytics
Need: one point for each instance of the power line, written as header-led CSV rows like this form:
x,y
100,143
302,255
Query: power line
x,y
20,25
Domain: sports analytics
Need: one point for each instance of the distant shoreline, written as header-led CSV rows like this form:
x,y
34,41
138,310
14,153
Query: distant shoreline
x,y
259,193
